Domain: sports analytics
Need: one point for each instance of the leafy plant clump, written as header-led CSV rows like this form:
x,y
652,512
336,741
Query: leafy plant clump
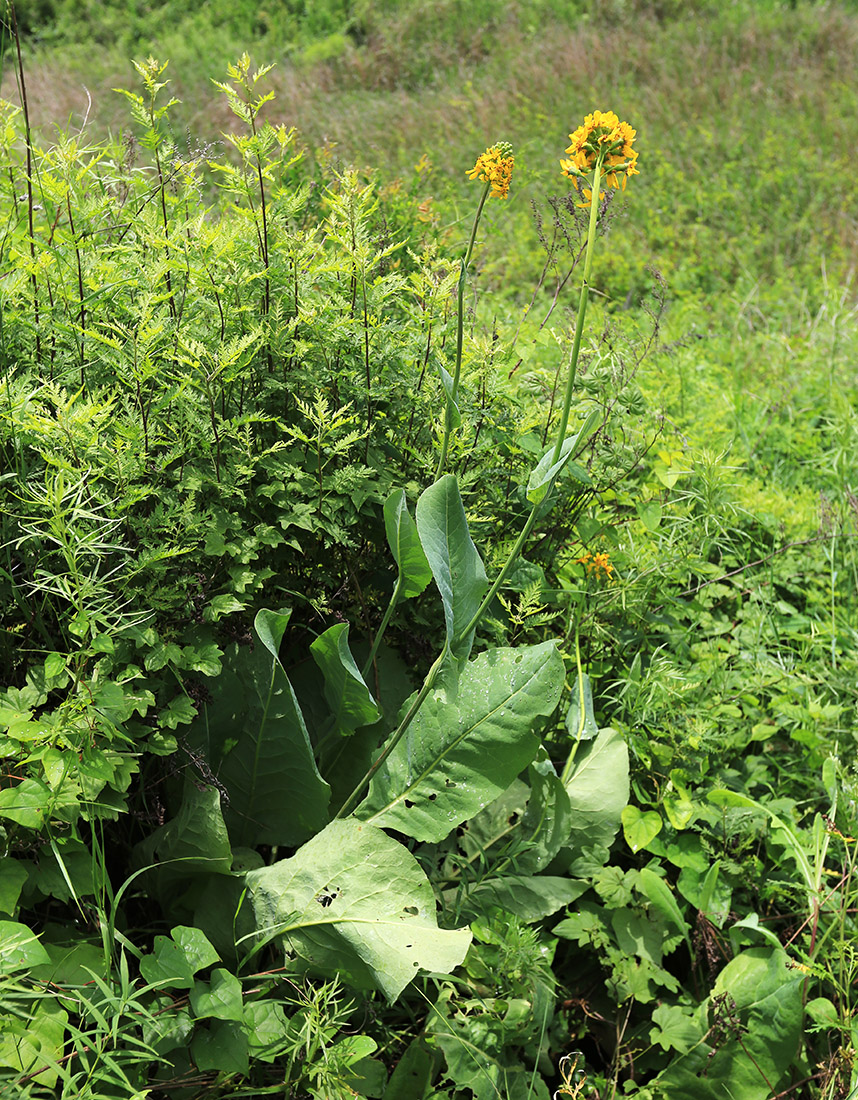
x,y
396,703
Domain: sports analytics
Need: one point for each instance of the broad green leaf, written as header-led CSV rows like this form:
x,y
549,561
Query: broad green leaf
x,y
26,803
220,997
530,897
353,900
763,1004
404,543
709,892
19,948
348,697
198,951
168,966
598,790
660,897
33,1046
580,718
455,563
194,842
546,470
13,875
640,827
221,1046
677,1028
267,1029
413,1073
467,743
253,734
547,821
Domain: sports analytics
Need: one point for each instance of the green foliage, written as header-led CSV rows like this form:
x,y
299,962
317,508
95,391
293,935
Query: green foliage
x,y
277,815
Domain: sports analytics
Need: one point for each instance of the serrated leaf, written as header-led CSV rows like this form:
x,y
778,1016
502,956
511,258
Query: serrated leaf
x,y
467,743
348,697
353,900
453,558
404,543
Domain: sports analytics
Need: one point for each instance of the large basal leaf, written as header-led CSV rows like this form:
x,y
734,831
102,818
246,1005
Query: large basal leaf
x,y
530,897
354,901
348,697
598,790
260,748
547,820
467,743
405,546
763,1008
193,843
456,565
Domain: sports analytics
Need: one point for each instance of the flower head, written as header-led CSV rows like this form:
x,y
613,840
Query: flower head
x,y
597,566
605,141
495,166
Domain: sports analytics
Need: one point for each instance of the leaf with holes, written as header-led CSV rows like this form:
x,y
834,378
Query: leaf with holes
x,y
467,743
354,901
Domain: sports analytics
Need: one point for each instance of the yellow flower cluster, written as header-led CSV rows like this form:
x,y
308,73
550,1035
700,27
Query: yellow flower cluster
x,y
495,166
603,140
597,565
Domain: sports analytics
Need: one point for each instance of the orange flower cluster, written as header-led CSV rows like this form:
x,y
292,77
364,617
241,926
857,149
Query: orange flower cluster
x,y
597,565
602,140
495,166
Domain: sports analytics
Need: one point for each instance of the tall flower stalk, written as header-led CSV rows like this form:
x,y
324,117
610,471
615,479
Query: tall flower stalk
x,y
494,169
601,147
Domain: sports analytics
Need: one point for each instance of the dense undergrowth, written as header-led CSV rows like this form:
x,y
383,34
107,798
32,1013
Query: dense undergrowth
x,y
608,846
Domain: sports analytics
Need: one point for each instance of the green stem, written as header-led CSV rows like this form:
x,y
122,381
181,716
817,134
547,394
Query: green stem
x,y
460,323
567,770
431,676
582,310
564,420
397,588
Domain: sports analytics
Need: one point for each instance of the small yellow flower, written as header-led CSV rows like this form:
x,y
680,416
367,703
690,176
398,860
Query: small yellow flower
x,y
597,565
606,141
495,166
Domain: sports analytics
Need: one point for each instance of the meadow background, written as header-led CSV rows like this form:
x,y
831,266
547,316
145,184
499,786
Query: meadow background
x,y
223,350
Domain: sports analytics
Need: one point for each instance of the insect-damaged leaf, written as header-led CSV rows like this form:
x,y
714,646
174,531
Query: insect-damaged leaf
x,y
467,743
352,900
